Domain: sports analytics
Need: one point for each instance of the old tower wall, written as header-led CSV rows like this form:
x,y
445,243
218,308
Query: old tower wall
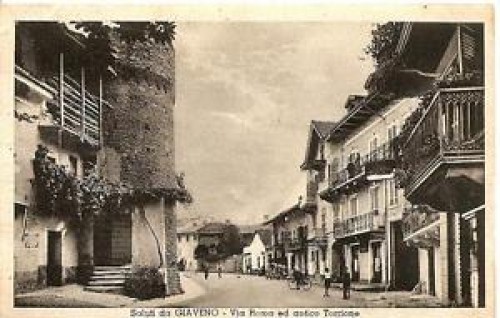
x,y
139,147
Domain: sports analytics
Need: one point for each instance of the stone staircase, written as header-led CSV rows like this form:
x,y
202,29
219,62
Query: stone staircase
x,y
108,279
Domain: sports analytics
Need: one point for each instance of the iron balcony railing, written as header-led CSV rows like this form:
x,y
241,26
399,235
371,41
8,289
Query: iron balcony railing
x,y
363,164
319,236
450,125
357,224
416,218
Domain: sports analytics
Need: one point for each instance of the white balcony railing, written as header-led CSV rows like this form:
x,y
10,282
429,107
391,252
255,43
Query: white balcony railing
x,y
357,224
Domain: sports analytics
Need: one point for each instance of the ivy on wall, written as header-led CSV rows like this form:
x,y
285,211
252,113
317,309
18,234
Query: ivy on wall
x,y
59,191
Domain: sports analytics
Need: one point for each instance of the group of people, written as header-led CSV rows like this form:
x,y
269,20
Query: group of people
x,y
346,283
345,278
206,270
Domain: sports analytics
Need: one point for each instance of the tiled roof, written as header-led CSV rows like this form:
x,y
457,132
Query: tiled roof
x,y
189,228
265,236
212,228
249,228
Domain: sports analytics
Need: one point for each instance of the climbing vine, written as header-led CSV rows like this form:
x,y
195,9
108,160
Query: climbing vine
x,y
60,191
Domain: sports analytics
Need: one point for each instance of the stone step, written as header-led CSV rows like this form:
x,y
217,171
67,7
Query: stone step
x,y
104,289
112,268
108,276
114,282
106,273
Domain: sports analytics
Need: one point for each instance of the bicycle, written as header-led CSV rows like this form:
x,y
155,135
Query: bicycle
x,y
304,283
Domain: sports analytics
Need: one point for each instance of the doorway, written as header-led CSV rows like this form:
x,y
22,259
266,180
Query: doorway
x,y
432,273
377,262
54,258
113,240
355,263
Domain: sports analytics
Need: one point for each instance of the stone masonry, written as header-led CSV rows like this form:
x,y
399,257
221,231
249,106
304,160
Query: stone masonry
x,y
139,135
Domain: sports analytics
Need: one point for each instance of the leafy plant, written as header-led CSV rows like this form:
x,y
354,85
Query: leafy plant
x,y
384,40
59,190
145,283
98,37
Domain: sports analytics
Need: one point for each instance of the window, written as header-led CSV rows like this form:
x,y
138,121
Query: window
x,y
393,194
392,132
187,237
374,198
354,206
73,165
336,212
323,219
373,148
19,209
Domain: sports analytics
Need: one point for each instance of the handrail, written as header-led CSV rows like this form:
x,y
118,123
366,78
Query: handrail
x,y
430,105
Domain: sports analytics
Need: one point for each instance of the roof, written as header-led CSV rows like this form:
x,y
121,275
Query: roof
x,y
283,214
265,236
244,229
322,127
212,228
318,131
358,115
189,228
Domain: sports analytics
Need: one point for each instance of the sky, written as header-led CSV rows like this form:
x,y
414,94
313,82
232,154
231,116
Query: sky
x,y
246,93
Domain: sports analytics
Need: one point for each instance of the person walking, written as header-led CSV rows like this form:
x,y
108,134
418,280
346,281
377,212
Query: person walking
x,y
328,279
297,278
206,271
219,271
346,284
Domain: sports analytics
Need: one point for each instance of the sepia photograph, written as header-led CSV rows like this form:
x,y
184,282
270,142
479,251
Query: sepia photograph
x,y
173,163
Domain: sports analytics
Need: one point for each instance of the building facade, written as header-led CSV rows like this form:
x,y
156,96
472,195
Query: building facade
x,y
255,258
366,204
320,235
442,163
289,239
187,240
76,164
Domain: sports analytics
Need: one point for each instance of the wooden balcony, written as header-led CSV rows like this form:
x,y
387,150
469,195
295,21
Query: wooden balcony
x,y
359,171
443,155
358,224
76,110
72,108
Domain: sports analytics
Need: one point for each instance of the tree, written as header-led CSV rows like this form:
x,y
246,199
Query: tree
x,y
231,240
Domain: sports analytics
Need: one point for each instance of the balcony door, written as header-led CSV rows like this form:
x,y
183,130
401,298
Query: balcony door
x,y
355,263
374,198
373,149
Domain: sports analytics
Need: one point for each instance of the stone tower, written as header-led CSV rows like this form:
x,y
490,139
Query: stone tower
x,y
139,148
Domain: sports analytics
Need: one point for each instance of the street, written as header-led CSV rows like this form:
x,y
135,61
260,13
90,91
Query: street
x,y
254,291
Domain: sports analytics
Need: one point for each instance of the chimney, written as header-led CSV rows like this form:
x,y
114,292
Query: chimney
x,y
195,224
228,221
266,217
